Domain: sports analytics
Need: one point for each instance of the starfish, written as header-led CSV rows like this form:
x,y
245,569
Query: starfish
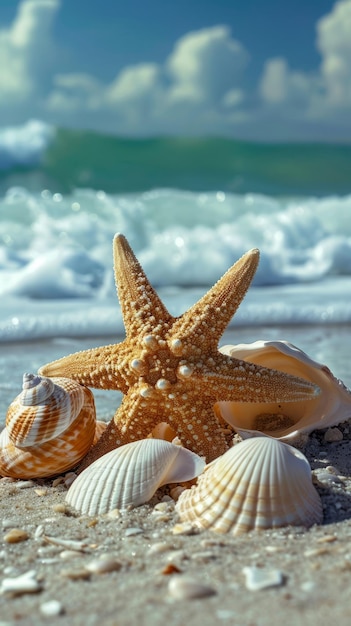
x,y
169,368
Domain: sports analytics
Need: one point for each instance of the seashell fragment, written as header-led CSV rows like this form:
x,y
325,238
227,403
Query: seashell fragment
x,y
131,474
258,578
259,483
286,420
185,588
15,535
50,427
70,544
51,608
104,564
25,583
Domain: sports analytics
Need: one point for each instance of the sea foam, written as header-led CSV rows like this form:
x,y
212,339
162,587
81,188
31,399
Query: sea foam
x,y
58,248
24,145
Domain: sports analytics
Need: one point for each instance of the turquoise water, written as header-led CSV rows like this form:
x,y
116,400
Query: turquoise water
x,y
189,208
69,159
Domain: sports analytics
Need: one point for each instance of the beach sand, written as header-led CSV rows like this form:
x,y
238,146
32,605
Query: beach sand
x,y
313,566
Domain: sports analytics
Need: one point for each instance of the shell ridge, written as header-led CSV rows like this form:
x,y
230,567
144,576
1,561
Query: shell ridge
x,y
184,465
296,495
35,389
196,500
30,425
54,455
253,492
128,475
274,490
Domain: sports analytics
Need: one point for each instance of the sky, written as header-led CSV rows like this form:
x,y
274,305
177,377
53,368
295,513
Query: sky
x,y
270,71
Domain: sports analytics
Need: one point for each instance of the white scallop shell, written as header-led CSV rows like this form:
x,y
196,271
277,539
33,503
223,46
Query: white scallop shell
x,y
50,427
285,420
259,483
131,474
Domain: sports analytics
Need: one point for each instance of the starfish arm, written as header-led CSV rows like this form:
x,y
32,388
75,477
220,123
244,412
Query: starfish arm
x,y
197,426
204,323
134,419
102,367
141,307
170,369
232,379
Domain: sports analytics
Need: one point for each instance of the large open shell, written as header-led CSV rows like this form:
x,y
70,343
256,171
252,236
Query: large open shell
x,y
286,420
131,474
260,483
50,427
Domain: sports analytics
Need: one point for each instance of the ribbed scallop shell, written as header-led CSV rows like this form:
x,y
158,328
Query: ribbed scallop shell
x,y
285,420
52,434
260,483
131,474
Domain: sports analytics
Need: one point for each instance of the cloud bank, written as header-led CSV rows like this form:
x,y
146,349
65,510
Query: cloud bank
x,y
198,89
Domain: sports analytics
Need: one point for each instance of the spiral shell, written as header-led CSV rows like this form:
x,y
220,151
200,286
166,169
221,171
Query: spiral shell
x,y
49,428
131,474
260,483
286,420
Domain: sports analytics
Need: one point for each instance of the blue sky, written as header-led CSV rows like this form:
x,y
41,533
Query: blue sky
x,y
268,70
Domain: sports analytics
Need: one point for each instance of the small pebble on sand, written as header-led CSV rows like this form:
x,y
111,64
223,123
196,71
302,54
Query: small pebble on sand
x,y
258,578
51,608
333,434
186,588
16,535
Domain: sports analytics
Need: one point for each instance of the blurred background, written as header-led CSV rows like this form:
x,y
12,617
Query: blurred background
x,y
240,70
272,71
198,129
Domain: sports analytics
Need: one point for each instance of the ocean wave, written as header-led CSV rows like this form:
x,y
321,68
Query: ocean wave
x,y
60,246
24,146
37,155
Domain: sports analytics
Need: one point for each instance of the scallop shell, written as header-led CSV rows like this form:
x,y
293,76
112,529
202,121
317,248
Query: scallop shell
x,y
131,474
286,420
50,426
260,483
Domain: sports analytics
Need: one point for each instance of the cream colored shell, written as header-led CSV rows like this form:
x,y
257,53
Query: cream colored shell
x,y
131,474
260,483
50,426
286,420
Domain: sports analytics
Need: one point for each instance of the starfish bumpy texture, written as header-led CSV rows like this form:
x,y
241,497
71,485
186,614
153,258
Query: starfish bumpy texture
x,y
169,368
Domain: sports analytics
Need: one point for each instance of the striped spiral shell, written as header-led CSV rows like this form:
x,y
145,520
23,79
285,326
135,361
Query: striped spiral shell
x,y
49,428
259,483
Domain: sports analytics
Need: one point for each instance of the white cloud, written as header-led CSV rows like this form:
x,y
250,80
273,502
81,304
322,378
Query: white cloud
x,y
71,90
134,83
26,51
320,97
280,85
197,89
334,43
190,91
205,65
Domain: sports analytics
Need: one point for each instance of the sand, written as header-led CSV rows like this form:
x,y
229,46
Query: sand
x,y
312,566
